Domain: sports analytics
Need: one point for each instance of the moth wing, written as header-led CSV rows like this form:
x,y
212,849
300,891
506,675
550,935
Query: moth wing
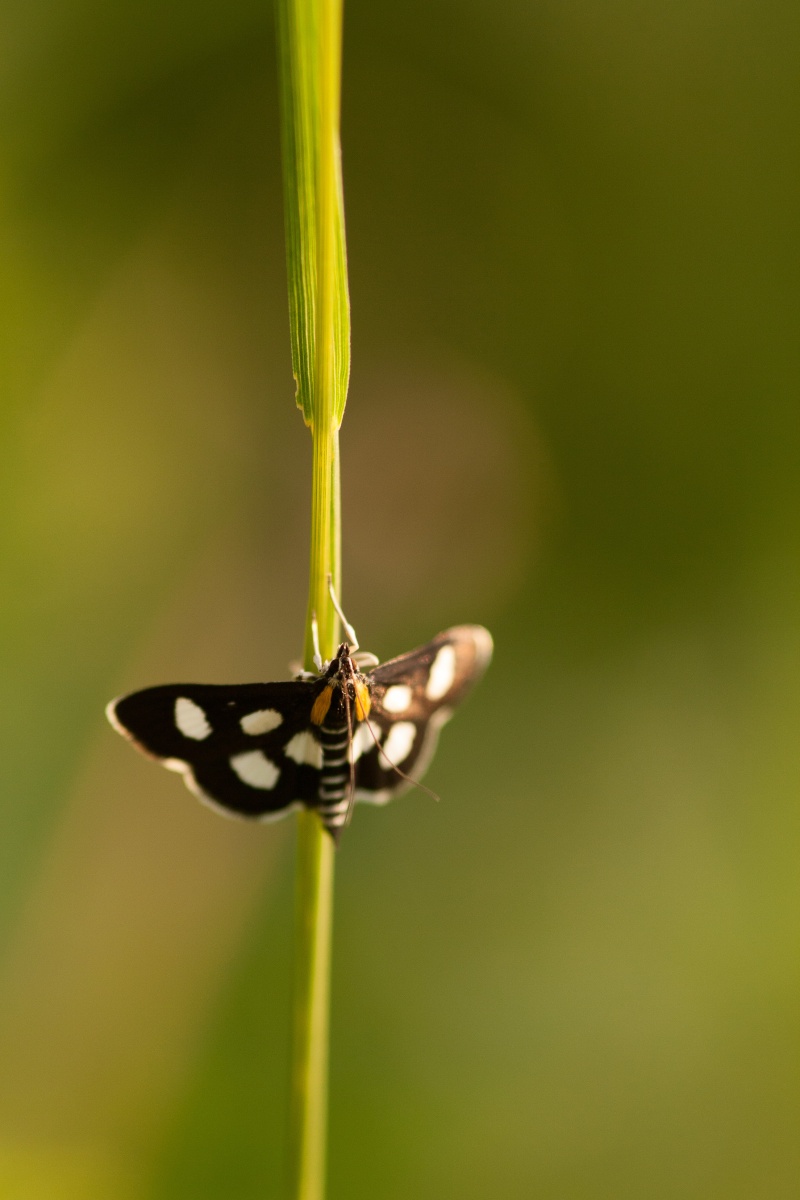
x,y
439,674
246,749
413,696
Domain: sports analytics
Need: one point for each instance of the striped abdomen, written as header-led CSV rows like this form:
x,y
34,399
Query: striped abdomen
x,y
334,784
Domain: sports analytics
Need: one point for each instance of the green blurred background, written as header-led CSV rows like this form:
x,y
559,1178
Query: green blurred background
x,y
573,242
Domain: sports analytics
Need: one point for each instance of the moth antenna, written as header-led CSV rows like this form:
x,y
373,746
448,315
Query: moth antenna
x,y
348,628
381,754
351,799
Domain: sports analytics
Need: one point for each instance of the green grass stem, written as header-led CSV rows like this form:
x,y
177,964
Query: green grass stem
x,y
309,42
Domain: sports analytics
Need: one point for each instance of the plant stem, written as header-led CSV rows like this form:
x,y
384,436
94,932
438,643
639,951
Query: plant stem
x,y
314,902
315,862
309,36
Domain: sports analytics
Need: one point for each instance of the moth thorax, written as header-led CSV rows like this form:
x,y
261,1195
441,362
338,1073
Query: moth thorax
x,y
331,706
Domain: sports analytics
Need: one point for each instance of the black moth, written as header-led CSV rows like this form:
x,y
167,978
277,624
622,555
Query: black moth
x,y
321,741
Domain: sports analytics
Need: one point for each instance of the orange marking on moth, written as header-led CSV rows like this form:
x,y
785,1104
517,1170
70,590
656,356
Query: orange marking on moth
x,y
363,701
321,705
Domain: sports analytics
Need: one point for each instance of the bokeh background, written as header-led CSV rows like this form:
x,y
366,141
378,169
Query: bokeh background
x,y
573,242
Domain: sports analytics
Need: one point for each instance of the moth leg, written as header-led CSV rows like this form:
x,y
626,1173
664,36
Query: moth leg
x,y
365,660
298,672
348,628
315,641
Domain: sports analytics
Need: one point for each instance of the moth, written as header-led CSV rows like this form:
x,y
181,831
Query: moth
x,y
321,741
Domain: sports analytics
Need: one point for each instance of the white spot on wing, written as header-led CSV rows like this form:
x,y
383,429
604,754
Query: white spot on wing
x,y
304,748
443,672
262,721
483,646
191,720
382,797
176,764
397,698
364,739
255,769
397,746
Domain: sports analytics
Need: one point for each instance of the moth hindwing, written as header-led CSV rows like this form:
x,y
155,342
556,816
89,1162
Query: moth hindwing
x,y
260,750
